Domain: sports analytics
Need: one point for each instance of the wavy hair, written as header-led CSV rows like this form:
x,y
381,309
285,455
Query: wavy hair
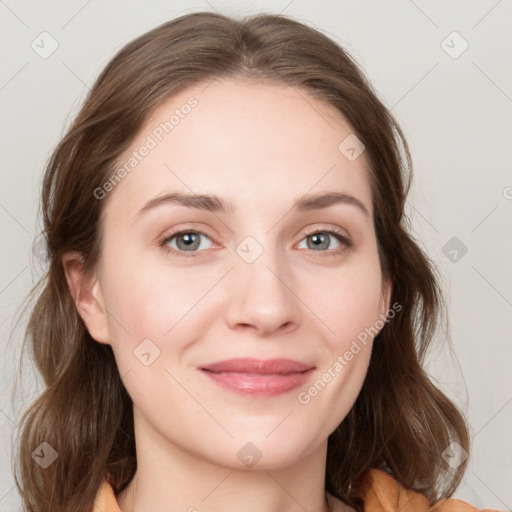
x,y
401,422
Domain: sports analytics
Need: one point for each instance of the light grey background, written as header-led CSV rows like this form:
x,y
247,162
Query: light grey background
x,y
456,111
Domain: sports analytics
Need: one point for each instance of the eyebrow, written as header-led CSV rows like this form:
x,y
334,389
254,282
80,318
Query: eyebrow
x,y
216,204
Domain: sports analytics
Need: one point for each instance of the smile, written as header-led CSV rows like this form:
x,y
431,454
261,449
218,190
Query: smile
x,y
258,377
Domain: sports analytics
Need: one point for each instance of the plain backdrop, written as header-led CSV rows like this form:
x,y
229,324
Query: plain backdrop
x,y
443,68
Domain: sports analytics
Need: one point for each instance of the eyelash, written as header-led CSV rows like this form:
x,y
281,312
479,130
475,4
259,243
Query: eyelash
x,y
344,240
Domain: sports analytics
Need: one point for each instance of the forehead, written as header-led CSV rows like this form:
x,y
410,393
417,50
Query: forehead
x,y
246,141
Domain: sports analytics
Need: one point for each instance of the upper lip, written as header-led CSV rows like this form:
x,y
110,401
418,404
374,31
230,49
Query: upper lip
x,y
252,365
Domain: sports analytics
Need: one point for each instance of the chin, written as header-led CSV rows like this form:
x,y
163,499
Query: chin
x,y
259,452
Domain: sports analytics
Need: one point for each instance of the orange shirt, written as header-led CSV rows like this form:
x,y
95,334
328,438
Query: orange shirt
x,y
385,495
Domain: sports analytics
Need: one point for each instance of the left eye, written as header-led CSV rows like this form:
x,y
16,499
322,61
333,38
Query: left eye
x,y
322,239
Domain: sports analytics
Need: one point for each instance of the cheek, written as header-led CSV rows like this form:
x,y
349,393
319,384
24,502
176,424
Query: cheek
x,y
349,302
156,301
349,309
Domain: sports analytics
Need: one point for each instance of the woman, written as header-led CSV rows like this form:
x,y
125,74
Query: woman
x,y
234,313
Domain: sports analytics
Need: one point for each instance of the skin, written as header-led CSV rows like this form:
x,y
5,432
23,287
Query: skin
x,y
260,146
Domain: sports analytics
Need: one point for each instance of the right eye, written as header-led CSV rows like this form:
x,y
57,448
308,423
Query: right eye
x,y
186,241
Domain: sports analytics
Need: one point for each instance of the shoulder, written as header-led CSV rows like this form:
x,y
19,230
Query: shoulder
x,y
105,500
386,494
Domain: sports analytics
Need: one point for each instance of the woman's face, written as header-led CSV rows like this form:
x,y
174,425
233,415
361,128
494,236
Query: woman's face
x,y
260,278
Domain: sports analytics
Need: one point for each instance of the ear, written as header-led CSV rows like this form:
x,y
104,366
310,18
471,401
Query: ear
x,y
86,292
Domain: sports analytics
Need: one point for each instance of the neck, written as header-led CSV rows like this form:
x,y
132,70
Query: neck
x,y
171,479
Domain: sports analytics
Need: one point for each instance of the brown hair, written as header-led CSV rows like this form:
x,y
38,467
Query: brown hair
x,y
401,422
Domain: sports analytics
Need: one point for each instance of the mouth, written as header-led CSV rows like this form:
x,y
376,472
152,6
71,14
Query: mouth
x,y
256,377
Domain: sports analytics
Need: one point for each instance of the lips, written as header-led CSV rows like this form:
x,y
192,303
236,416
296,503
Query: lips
x,y
250,365
258,377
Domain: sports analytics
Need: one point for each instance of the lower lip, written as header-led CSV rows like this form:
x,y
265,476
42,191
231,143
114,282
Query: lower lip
x,y
259,384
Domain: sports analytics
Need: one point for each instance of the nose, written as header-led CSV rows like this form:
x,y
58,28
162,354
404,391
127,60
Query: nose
x,y
261,297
